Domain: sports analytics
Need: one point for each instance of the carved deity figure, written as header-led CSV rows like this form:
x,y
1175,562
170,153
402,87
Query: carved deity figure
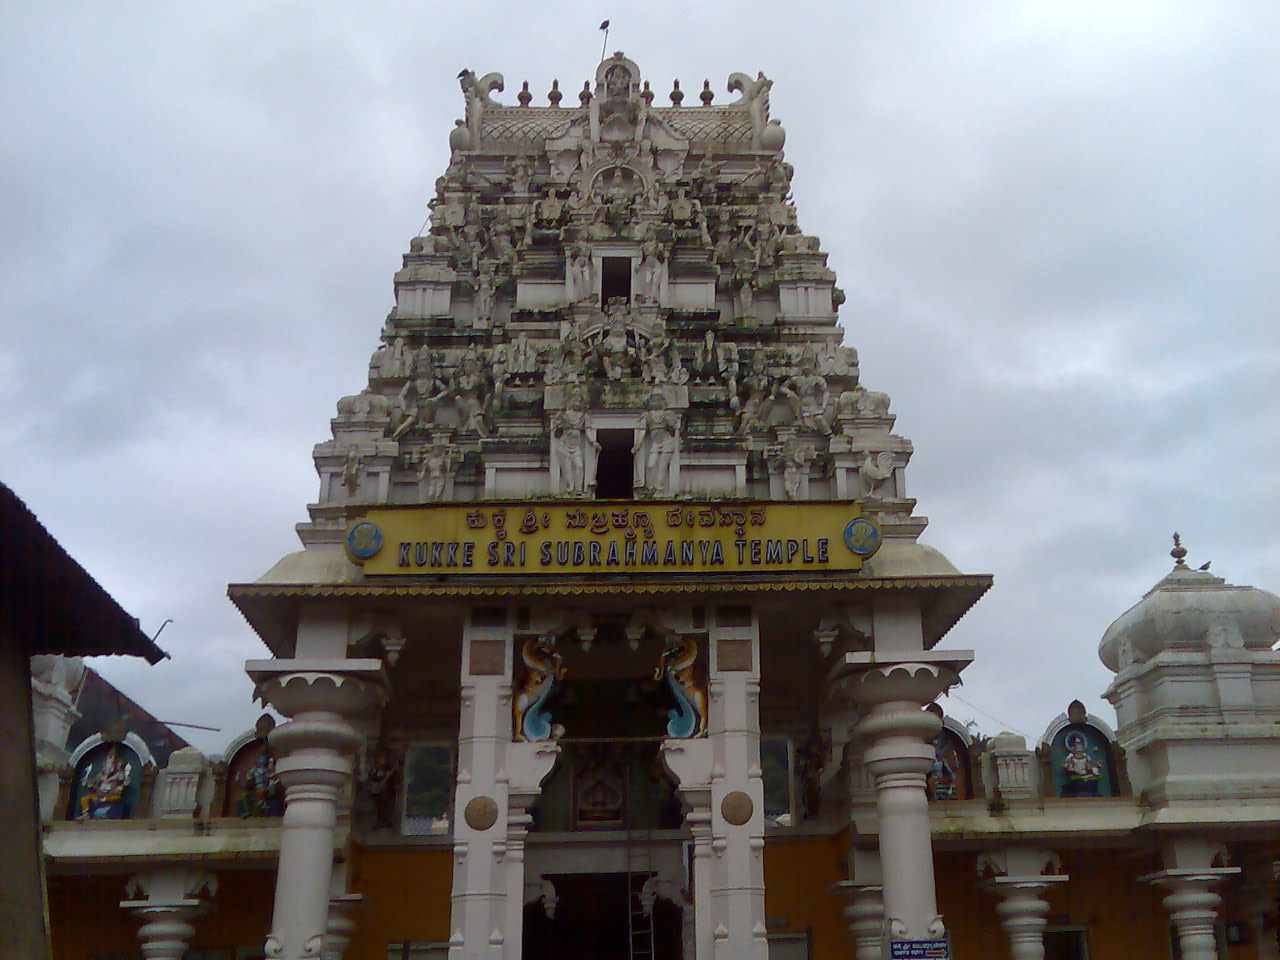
x,y
469,392
435,468
485,285
615,353
102,794
876,474
807,394
794,462
523,357
576,448
652,273
759,386
580,274
351,470
501,232
416,403
661,363
566,361
655,446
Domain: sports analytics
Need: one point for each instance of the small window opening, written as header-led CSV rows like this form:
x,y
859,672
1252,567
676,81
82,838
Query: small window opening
x,y
615,280
615,475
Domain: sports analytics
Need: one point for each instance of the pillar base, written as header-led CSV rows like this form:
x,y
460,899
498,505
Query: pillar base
x,y
1193,906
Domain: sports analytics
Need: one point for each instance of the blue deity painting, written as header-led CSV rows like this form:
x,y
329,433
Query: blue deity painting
x,y
252,787
1081,761
106,784
948,777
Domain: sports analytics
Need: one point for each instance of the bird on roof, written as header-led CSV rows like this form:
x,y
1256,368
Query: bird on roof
x,y
1205,565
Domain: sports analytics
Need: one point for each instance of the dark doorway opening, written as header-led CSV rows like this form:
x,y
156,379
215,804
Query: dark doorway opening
x,y
615,280
615,473
591,921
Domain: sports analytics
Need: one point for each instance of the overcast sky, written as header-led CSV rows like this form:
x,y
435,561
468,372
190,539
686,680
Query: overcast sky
x,y
1057,225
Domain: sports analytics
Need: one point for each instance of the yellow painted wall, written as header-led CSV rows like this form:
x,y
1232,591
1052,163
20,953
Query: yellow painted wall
x,y
799,877
406,898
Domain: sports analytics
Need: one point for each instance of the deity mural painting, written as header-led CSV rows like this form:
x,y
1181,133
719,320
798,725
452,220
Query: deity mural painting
x,y
252,787
948,777
106,784
1081,761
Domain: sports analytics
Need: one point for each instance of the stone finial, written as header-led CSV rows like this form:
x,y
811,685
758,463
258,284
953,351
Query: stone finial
x,y
677,95
1179,552
554,96
524,96
647,95
585,96
706,96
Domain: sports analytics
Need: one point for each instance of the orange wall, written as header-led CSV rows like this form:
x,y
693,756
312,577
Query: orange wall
x,y
86,918
799,895
406,898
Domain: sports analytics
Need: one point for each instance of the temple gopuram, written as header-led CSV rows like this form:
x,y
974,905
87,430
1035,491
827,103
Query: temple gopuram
x,y
612,634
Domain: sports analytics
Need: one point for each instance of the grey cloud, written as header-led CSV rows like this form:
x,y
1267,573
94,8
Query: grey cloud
x,y
1056,227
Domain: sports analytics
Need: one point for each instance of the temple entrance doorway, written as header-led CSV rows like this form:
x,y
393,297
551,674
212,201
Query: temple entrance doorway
x,y
591,922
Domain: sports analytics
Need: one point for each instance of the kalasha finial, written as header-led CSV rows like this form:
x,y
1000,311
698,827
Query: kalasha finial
x,y
706,96
555,96
646,94
677,95
585,96
524,96
1178,552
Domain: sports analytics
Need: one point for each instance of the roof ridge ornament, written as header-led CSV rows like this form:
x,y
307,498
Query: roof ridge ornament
x,y
1179,552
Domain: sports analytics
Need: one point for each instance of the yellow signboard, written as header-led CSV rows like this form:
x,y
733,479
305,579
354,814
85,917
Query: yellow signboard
x,y
585,537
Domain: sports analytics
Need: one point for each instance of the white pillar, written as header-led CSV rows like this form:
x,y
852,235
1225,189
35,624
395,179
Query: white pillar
x,y
167,900
1020,876
313,750
720,780
498,780
896,731
1191,877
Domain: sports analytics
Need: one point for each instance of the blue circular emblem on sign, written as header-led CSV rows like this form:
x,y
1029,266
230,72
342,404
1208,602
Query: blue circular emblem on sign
x,y
364,540
862,537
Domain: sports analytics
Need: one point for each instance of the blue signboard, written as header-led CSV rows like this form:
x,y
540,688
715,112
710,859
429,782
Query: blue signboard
x,y
919,950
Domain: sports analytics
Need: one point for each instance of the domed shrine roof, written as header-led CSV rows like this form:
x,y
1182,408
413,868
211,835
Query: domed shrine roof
x,y
1191,610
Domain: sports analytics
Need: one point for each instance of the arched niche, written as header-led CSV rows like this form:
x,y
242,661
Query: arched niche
x,y
107,778
951,776
252,789
1081,755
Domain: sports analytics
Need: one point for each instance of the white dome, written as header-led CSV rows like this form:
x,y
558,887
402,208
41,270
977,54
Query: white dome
x,y
1191,610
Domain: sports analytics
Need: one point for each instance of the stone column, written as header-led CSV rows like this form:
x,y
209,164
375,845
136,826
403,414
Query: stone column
x,y
896,731
498,780
865,913
1191,878
720,780
167,900
1020,876
314,754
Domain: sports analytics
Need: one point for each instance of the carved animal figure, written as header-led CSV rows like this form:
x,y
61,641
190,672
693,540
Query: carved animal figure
x,y
676,665
544,671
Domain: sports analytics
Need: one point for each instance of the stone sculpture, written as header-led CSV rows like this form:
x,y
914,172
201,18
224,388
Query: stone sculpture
x,y
876,474
576,449
655,446
435,466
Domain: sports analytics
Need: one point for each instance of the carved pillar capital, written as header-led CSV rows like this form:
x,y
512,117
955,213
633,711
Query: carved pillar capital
x,y
167,901
1020,876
